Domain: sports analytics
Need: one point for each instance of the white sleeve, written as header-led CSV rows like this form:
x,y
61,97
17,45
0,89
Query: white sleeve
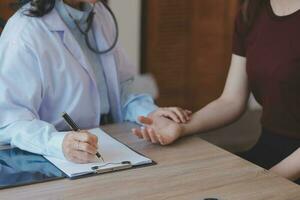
x,y
21,95
135,105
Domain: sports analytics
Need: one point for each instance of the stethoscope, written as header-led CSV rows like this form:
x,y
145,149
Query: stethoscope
x,y
89,26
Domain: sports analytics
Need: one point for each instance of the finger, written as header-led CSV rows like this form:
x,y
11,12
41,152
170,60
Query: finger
x,y
83,157
181,114
137,132
170,114
160,139
92,139
188,111
74,144
187,115
86,147
145,134
74,157
152,135
145,120
86,138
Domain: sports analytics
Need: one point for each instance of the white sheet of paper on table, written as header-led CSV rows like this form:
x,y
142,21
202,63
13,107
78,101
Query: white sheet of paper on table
x,y
111,150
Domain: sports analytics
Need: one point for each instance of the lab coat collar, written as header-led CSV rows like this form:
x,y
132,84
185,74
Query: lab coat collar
x,y
69,14
56,25
54,22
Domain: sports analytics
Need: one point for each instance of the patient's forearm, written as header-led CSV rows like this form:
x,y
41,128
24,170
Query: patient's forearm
x,y
229,107
289,167
215,115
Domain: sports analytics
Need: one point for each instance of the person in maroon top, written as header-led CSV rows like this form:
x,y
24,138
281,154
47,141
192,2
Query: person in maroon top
x,y
266,62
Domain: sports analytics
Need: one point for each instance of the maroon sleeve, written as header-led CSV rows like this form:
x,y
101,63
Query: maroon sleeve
x,y
239,36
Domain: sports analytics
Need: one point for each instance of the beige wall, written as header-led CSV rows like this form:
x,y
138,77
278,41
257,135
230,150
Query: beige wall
x,y
128,13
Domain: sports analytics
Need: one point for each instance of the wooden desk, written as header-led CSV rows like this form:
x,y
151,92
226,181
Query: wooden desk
x,y
189,169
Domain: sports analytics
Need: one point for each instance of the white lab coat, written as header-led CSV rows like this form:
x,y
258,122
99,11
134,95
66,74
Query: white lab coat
x,y
43,72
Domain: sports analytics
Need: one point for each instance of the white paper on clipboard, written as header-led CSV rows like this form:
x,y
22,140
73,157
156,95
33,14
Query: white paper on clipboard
x,y
113,152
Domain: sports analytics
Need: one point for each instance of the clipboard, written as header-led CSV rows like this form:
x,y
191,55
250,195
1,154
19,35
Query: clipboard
x,y
117,156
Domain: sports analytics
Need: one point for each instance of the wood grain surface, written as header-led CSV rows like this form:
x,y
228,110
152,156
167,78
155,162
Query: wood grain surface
x,y
189,169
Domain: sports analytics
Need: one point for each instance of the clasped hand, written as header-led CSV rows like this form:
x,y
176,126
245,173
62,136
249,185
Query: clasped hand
x,y
163,126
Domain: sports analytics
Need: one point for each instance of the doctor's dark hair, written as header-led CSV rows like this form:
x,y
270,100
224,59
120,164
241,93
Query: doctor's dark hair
x,y
39,8
250,11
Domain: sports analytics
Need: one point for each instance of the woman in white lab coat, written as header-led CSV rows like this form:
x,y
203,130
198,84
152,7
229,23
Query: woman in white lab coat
x,y
47,67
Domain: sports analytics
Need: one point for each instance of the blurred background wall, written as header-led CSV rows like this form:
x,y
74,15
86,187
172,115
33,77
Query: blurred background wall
x,y
129,16
189,42
184,44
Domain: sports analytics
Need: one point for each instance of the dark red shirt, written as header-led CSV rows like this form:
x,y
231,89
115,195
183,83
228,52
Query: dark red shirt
x,y
272,49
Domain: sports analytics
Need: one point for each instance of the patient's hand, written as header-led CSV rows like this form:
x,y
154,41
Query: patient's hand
x,y
158,130
80,147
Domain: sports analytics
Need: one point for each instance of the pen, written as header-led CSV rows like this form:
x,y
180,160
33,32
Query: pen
x,y
74,127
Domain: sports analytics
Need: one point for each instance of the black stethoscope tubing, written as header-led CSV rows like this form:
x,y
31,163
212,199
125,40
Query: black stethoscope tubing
x,y
89,26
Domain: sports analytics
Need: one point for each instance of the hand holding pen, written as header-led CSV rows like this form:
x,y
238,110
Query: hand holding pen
x,y
79,146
